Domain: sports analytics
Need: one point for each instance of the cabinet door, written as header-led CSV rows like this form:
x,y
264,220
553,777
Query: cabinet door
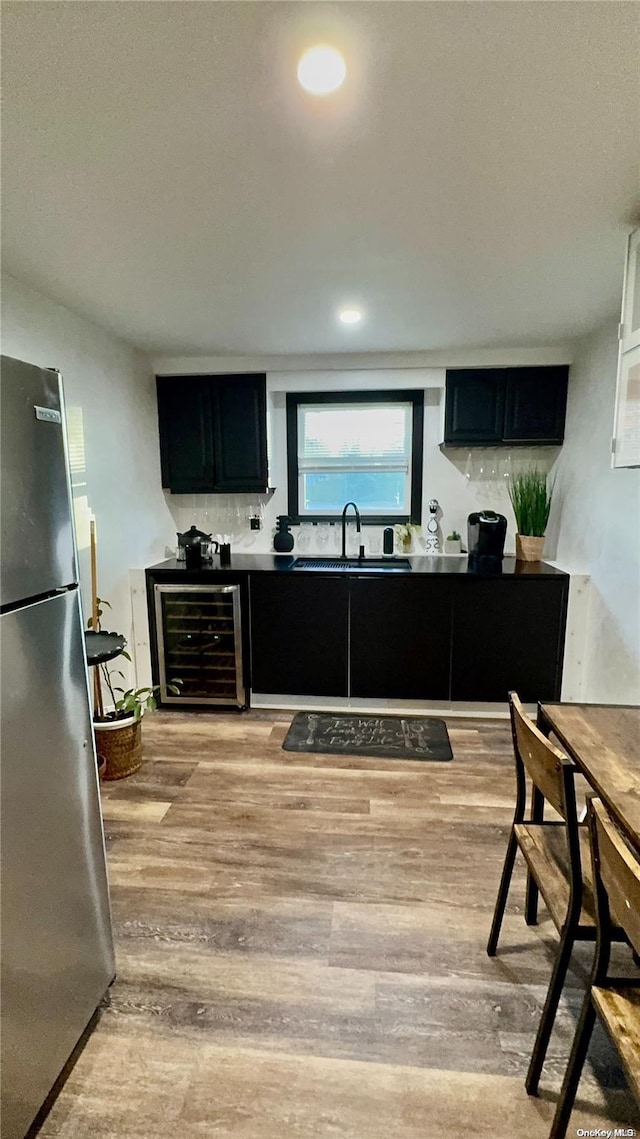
x,y
626,439
508,634
400,637
631,296
239,418
535,404
186,444
474,410
299,634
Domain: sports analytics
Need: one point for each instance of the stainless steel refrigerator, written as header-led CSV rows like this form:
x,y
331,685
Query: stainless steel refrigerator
x,y
57,951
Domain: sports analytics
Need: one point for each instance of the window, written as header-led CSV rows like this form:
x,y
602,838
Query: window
x,y
362,447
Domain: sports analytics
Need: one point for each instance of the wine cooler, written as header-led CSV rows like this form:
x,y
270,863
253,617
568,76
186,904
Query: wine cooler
x,y
200,643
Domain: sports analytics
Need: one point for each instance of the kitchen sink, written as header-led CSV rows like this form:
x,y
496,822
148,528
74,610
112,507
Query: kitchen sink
x,y
358,564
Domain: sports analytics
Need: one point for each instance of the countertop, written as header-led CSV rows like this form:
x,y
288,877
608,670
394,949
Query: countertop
x,y
448,566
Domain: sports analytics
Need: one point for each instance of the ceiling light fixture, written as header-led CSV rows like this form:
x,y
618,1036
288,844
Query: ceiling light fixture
x,y
321,70
350,315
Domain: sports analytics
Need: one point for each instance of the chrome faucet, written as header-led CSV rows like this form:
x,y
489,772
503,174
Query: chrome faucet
x,y
344,529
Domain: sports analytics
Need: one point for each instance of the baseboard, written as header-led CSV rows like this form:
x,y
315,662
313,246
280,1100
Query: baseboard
x,y
463,709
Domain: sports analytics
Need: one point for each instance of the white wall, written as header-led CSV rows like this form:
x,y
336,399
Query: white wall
x,y
596,525
460,480
115,390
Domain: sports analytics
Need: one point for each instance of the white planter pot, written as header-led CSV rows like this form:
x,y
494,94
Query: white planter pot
x,y
113,725
453,546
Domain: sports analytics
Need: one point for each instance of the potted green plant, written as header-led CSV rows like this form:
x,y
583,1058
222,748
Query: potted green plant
x,y
453,543
405,533
118,729
530,497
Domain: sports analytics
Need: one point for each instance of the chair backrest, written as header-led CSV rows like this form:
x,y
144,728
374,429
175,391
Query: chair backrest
x,y
542,761
617,868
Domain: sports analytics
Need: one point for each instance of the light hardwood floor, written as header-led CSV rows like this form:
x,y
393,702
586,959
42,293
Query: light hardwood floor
x,y
301,950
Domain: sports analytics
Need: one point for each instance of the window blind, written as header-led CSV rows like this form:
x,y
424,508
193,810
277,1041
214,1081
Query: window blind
x,y
348,437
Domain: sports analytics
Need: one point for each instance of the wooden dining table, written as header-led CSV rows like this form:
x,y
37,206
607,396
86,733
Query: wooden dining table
x,y
604,742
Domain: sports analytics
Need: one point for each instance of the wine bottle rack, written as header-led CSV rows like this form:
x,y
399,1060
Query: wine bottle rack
x,y
200,643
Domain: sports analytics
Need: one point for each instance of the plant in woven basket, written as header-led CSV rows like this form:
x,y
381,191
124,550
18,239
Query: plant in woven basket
x,y
125,702
132,701
530,497
118,730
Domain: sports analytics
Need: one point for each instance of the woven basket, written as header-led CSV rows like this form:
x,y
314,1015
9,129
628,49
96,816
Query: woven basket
x,y
528,548
119,747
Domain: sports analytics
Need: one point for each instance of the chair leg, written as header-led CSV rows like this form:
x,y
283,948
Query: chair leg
x,y
549,1011
503,891
531,901
578,1055
531,896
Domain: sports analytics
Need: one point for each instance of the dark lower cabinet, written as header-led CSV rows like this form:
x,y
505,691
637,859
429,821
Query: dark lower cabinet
x,y
508,633
299,634
400,633
424,638
429,637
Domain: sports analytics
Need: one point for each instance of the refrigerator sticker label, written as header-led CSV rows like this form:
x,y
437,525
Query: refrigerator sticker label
x,y
48,414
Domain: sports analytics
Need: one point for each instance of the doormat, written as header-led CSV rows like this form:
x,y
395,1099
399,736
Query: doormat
x,y
383,737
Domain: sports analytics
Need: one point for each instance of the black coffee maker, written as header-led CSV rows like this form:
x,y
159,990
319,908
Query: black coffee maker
x,y
486,532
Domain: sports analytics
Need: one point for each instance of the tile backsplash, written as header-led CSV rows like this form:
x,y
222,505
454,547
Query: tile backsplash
x,y
461,481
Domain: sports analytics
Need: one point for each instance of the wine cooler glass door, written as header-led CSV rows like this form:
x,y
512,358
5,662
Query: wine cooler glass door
x,y
200,644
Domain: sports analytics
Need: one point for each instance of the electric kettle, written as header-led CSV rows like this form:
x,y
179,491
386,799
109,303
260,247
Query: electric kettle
x,y
191,540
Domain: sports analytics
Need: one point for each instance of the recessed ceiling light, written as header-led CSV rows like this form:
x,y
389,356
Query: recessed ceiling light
x,y
321,70
350,315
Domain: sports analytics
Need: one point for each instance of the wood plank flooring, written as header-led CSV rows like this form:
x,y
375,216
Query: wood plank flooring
x,y
301,950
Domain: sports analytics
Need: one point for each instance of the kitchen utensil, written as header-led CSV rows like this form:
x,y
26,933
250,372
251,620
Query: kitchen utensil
x,y
283,538
432,540
195,537
193,555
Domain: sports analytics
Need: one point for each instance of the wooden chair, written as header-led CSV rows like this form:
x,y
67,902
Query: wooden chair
x,y
555,853
616,871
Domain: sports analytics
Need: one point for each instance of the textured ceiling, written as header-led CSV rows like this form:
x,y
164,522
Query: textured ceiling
x,y
471,184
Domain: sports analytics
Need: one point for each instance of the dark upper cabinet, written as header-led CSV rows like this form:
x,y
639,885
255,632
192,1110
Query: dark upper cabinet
x,y
400,634
535,405
213,435
491,406
186,433
474,410
240,433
